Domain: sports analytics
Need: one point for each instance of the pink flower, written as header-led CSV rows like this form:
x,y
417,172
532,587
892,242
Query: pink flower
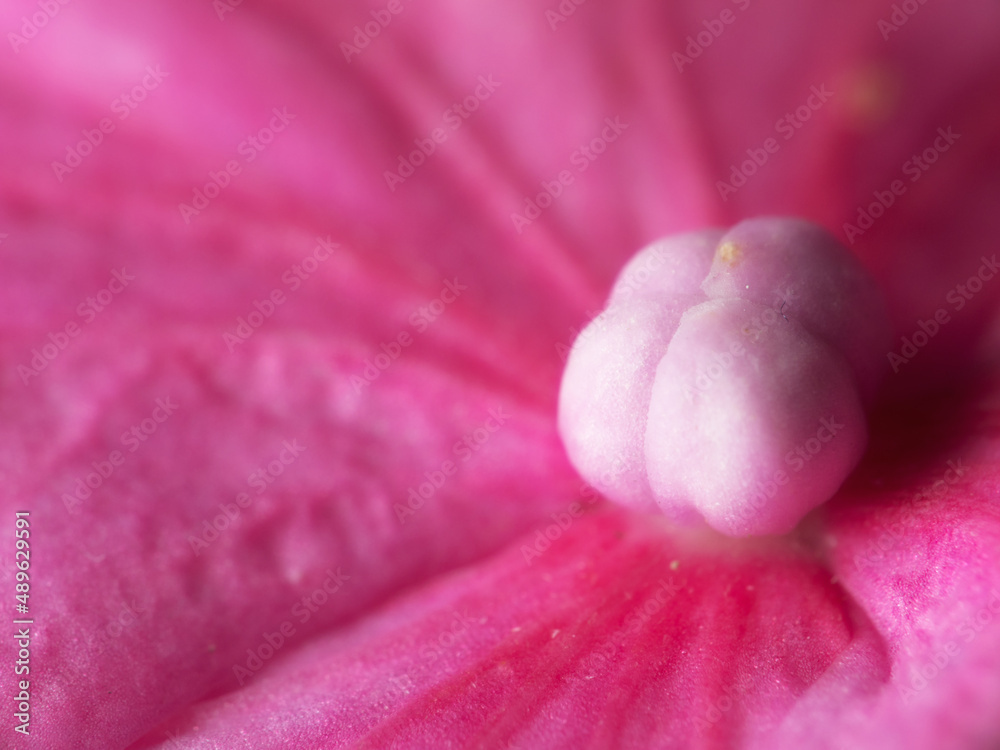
x,y
289,292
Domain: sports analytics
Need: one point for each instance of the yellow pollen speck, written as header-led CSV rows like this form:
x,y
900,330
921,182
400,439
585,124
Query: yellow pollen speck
x,y
729,252
675,564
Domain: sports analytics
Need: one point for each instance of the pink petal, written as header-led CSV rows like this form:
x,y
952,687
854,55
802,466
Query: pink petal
x,y
616,636
130,609
619,633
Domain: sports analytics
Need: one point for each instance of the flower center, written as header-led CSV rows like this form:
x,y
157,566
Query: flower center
x,y
726,381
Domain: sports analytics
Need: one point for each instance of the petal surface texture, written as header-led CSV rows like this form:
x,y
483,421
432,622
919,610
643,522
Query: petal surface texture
x,y
286,308
867,628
